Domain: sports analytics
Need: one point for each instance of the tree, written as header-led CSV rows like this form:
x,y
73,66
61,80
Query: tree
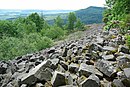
x,y
71,20
7,28
39,21
116,12
59,22
79,24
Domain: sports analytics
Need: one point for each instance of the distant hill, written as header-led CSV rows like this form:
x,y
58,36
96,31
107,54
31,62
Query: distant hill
x,y
90,15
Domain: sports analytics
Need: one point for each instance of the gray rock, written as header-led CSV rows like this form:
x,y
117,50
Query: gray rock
x,y
91,81
117,83
95,47
108,48
68,86
123,62
40,72
51,50
86,70
123,49
58,79
39,85
108,57
106,67
73,68
95,55
127,72
99,40
65,50
54,63
24,85
64,65
126,82
3,67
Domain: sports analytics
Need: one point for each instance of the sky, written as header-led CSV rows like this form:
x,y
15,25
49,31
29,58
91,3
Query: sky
x,y
50,4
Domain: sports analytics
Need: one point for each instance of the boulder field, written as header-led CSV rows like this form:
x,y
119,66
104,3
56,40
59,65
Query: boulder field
x,y
100,59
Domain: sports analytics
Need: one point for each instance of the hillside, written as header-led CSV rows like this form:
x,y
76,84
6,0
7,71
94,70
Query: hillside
x,y
96,60
90,15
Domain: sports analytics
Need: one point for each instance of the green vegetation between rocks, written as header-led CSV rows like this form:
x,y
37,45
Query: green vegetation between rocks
x,y
117,15
31,34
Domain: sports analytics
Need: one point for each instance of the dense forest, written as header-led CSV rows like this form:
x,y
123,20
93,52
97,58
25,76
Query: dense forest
x,y
91,14
33,33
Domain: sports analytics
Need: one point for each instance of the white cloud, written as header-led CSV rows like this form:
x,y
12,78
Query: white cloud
x,y
49,4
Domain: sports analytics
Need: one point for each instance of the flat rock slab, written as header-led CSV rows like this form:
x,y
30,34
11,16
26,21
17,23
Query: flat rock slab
x,y
106,67
108,57
108,48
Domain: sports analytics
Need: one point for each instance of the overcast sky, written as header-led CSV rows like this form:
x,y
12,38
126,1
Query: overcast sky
x,y
50,4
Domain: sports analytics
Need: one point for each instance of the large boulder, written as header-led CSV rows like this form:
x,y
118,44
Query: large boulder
x,y
86,70
91,81
58,79
106,67
40,72
127,72
117,83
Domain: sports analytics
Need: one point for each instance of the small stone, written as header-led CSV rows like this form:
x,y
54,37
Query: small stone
x,y
110,49
108,57
24,85
95,47
58,79
51,50
54,63
39,85
65,50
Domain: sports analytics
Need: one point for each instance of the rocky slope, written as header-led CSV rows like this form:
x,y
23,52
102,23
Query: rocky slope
x,y
99,59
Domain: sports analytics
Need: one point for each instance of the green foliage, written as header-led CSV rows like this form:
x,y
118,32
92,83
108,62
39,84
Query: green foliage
x,y
39,21
79,25
31,34
53,32
59,22
117,13
71,20
90,15
11,47
128,40
7,28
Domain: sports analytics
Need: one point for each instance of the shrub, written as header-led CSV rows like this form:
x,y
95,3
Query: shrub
x,y
53,32
128,40
11,47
